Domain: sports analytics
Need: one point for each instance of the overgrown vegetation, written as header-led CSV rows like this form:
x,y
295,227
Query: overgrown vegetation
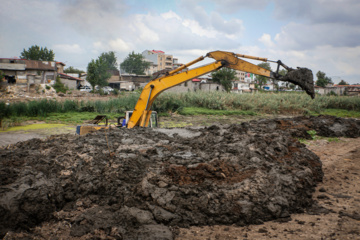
x,y
203,103
59,86
206,111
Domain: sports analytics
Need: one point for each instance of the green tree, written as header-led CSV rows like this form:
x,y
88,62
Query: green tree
x,y
38,53
283,72
97,73
110,59
322,79
224,76
71,69
262,80
342,82
135,63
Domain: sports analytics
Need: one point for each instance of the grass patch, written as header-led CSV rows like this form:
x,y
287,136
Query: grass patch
x,y
33,127
313,136
339,113
206,111
191,104
66,118
77,117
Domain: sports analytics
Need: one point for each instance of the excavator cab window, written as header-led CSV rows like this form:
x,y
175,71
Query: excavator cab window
x,y
153,120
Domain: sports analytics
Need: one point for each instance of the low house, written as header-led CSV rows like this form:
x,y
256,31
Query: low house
x,y
14,70
24,72
60,67
196,84
137,80
45,69
211,87
123,85
268,87
352,90
70,81
348,90
240,87
319,90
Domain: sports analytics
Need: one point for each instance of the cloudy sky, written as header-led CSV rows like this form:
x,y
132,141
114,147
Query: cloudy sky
x,y
319,34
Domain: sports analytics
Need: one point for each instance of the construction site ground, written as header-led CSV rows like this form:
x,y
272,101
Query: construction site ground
x,y
339,193
251,179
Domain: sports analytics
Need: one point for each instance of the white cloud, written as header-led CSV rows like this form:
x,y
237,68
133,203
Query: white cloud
x,y
308,36
319,34
69,48
144,30
232,6
320,11
199,30
170,15
266,40
119,45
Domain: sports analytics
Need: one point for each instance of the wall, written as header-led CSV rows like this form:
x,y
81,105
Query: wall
x,y
190,86
71,84
320,91
210,87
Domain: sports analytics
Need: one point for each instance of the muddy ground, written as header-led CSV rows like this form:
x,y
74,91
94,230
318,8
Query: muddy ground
x,y
251,180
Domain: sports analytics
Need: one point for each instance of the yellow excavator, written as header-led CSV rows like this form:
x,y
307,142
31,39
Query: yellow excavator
x,y
142,116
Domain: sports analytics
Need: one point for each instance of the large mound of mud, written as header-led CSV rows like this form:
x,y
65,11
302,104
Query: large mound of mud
x,y
142,183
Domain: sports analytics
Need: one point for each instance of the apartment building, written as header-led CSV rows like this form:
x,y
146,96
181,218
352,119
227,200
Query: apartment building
x,y
159,61
240,75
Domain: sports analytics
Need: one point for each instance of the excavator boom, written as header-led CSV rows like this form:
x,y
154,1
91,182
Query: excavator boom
x,y
141,113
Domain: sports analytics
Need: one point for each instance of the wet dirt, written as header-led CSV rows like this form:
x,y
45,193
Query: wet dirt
x,y
302,77
146,184
334,214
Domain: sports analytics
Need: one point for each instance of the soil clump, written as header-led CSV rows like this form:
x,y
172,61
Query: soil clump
x,y
144,184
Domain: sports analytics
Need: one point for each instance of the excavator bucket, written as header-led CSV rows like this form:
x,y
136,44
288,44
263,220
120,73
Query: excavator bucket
x,y
302,77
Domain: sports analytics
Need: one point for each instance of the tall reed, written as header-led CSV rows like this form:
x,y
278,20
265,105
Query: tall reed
x,y
279,103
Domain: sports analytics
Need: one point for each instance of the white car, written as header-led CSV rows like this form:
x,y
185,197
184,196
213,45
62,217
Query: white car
x,y
107,89
85,89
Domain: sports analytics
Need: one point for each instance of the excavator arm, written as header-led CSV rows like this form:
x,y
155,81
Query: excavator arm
x,y
141,114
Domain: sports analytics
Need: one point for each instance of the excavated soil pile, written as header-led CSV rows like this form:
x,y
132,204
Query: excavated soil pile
x,y
142,183
302,77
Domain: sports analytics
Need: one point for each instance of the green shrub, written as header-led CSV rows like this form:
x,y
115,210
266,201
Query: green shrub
x,y
59,86
210,102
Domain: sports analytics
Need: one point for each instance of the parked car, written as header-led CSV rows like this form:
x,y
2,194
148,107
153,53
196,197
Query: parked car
x,y
85,89
107,89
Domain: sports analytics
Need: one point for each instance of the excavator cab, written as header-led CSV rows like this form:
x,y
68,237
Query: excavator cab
x,y
123,121
101,122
